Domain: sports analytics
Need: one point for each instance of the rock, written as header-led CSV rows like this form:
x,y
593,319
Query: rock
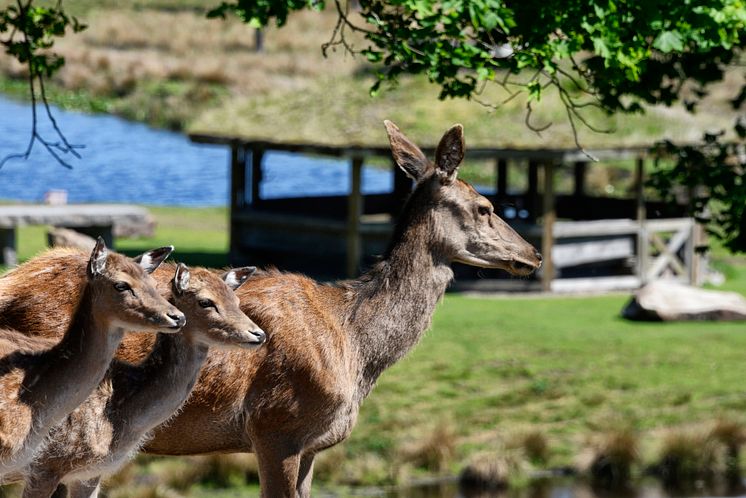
x,y
135,229
672,301
65,237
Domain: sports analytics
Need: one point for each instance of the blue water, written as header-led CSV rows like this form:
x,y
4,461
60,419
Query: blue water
x,y
130,162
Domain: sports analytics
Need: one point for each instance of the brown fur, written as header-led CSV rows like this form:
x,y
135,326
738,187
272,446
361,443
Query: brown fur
x,y
39,384
329,343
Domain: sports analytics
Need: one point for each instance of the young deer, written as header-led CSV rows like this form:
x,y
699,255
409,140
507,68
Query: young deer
x,y
109,427
39,388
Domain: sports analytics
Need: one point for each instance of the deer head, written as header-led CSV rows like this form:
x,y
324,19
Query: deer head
x,y
464,225
211,304
127,291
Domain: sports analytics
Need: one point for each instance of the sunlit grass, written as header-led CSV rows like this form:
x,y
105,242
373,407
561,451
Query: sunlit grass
x,y
495,367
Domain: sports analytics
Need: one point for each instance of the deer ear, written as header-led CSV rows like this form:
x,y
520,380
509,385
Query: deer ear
x,y
450,153
151,260
181,278
97,261
237,276
407,155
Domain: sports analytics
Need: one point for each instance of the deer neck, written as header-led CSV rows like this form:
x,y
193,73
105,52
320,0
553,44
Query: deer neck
x,y
392,305
149,393
74,367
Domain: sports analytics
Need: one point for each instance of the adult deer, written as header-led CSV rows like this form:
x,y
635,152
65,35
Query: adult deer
x,y
39,388
328,344
107,429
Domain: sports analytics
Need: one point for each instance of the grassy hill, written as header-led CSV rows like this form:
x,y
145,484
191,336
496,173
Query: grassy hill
x,y
164,63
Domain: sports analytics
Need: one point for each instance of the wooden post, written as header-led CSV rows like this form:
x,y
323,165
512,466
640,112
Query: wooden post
x,y
532,192
579,169
354,212
238,196
258,40
640,216
8,254
549,217
257,155
699,264
502,179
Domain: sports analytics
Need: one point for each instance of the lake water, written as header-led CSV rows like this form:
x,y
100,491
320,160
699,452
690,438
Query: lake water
x,y
557,488
131,162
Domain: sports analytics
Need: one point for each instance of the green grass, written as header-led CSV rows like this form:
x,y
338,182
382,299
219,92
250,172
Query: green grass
x,y
492,368
568,366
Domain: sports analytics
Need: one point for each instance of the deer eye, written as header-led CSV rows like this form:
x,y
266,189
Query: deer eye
x,y
206,303
484,211
122,286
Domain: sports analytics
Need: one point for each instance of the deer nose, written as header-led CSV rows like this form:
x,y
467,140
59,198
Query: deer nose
x,y
178,318
259,336
538,256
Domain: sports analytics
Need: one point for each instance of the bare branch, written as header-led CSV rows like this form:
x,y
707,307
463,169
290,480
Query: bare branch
x,y
55,149
535,129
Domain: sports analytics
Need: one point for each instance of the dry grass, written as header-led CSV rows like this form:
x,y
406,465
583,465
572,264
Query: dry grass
x,y
534,444
187,46
687,456
147,60
611,458
492,470
165,63
435,452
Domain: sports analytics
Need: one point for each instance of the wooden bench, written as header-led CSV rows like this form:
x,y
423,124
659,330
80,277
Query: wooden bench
x,y
90,219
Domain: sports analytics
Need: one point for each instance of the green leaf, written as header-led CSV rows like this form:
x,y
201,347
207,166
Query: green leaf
x,y
669,41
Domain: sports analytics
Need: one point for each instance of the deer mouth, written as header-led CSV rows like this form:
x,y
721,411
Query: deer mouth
x,y
521,268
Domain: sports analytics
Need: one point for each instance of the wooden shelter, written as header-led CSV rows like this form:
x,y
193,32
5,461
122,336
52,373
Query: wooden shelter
x,y
337,236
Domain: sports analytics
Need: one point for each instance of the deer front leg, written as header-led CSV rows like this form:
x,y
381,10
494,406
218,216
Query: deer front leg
x,y
278,469
85,489
41,485
305,476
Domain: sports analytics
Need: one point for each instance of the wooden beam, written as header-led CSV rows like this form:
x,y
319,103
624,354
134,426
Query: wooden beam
x,y
699,263
643,253
502,178
532,190
548,218
579,170
354,213
8,254
556,155
238,196
257,155
640,213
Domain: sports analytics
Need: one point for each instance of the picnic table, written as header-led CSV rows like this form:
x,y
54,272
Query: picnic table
x,y
91,219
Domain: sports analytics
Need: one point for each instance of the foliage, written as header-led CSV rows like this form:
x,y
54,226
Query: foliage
x,y
38,27
713,174
261,12
611,54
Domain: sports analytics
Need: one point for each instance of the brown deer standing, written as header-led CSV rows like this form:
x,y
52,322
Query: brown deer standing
x,y
329,343
39,388
109,427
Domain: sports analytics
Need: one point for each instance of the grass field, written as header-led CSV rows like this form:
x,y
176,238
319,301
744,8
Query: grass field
x,y
491,370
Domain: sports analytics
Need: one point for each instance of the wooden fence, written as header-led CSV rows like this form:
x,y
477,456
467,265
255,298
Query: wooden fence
x,y
333,236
